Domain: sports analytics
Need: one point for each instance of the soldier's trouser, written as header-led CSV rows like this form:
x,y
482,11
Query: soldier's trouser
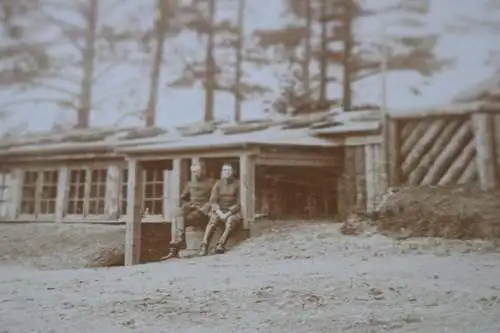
x,y
230,224
186,216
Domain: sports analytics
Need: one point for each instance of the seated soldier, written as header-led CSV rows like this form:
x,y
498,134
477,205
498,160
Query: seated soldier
x,y
194,209
225,202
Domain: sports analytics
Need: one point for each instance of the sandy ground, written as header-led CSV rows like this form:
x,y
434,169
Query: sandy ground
x,y
51,246
296,279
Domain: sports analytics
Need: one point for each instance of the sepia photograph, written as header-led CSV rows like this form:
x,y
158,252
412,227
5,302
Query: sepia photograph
x,y
278,166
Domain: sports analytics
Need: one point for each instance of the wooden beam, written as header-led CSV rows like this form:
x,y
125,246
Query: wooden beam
x,y
422,147
62,193
296,160
247,189
381,175
134,213
174,182
352,140
55,157
371,178
360,166
459,165
482,124
113,189
86,191
445,110
394,152
452,149
155,156
418,173
347,183
15,190
496,126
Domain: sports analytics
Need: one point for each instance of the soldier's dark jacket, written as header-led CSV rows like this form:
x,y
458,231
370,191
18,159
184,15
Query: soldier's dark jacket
x,y
226,195
197,192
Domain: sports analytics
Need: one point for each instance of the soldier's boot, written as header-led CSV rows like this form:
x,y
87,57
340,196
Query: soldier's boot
x,y
209,231
228,228
220,248
173,252
203,249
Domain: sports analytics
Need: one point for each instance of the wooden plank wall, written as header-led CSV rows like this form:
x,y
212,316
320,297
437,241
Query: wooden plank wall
x,y
436,151
362,181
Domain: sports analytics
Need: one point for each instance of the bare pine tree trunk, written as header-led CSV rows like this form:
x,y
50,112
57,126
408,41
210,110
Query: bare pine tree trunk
x,y
323,84
347,63
161,29
307,56
83,116
210,65
239,61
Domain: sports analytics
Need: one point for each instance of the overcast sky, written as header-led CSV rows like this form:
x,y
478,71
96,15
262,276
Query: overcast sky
x,y
125,88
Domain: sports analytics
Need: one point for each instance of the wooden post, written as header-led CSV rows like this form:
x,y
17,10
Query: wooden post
x,y
62,194
175,180
348,193
87,188
496,126
393,145
360,167
371,178
482,124
381,185
134,213
16,194
113,189
247,189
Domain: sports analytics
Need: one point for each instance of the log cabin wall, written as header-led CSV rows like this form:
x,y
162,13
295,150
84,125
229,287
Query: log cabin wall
x,y
434,151
362,179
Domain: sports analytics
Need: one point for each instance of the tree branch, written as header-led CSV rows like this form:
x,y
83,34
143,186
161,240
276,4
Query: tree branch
x,y
31,100
365,75
98,103
56,88
108,69
63,26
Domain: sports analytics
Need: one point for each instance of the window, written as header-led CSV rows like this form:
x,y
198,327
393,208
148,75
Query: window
x,y
48,197
28,202
97,198
124,190
87,191
76,196
153,191
4,188
39,192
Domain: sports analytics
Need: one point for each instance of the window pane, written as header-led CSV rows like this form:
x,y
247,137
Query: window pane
x,y
52,207
79,207
148,191
81,192
158,190
93,190
124,175
102,191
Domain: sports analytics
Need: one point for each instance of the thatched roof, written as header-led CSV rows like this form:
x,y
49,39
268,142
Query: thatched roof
x,y
486,91
301,130
456,109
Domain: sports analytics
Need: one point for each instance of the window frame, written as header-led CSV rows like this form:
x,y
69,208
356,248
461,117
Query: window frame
x,y
123,200
5,187
54,184
87,199
124,191
38,187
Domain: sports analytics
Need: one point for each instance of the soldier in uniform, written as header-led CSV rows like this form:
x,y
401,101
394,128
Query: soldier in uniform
x,y
225,204
194,209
